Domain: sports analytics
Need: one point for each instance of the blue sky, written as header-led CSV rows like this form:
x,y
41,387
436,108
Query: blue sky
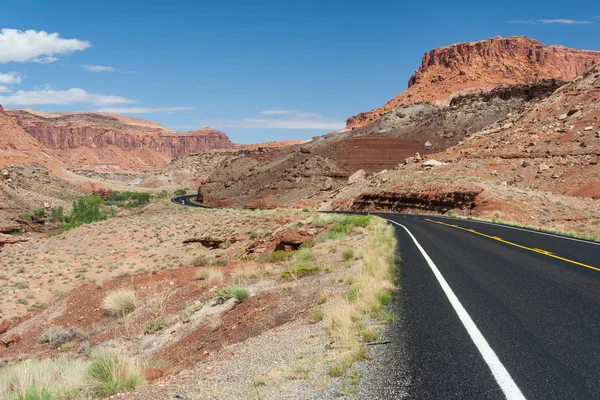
x,y
258,70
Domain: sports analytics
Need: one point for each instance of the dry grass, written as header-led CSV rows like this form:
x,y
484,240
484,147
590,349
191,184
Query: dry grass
x,y
119,303
211,275
346,315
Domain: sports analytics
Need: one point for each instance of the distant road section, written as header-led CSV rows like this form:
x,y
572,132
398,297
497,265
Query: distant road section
x,y
187,200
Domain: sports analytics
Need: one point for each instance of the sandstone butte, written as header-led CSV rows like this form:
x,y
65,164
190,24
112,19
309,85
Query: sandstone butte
x,y
66,131
481,66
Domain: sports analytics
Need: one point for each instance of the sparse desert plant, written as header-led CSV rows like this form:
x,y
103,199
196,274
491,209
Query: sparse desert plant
x,y
192,309
210,275
316,315
279,256
181,192
300,270
119,303
56,336
452,213
155,325
305,254
221,262
111,374
241,294
348,254
200,261
225,245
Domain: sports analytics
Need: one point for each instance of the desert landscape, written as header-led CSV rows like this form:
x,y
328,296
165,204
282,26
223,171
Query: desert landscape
x,y
278,283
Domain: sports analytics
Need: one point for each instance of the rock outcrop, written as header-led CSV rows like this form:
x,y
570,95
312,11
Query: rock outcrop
x,y
481,66
102,132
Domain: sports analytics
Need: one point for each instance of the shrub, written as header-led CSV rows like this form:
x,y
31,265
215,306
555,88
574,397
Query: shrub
x,y
190,310
200,261
348,254
119,303
56,336
240,293
26,216
300,270
39,214
210,275
162,194
279,256
85,211
109,375
57,214
128,199
305,255
452,213
225,245
384,298
221,262
181,192
155,325
316,315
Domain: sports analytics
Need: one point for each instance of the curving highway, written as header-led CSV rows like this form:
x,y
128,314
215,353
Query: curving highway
x,y
187,201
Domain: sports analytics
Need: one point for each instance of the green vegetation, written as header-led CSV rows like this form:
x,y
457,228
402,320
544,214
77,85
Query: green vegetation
x,y
57,214
316,315
162,194
155,325
128,199
453,213
279,256
348,254
85,211
39,214
299,270
241,294
119,303
181,192
190,310
109,375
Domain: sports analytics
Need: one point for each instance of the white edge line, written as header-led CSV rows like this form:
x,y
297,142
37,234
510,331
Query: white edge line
x,y
503,378
518,229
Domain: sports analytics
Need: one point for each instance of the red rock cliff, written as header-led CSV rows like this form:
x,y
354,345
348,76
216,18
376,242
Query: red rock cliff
x,y
480,66
97,130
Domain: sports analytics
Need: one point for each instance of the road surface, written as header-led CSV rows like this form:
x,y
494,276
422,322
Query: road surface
x,y
490,312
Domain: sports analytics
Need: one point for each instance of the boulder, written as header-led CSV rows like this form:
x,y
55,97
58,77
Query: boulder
x,y
431,164
5,325
357,176
10,340
428,144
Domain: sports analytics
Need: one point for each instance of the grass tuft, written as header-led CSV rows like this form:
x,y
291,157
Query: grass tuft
x,y
119,303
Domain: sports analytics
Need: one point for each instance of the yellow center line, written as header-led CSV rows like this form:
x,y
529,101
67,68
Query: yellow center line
x,y
499,239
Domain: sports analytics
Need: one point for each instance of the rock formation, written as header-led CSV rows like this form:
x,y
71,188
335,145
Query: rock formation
x,y
111,135
481,66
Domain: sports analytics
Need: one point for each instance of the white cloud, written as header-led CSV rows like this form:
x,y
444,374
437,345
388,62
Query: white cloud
x,y
283,119
10,78
36,46
563,21
63,97
4,89
276,112
142,110
98,68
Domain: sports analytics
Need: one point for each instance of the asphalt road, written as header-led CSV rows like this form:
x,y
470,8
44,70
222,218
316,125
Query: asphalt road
x,y
187,200
494,313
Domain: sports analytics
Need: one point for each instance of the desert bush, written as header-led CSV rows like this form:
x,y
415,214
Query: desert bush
x,y
56,336
279,256
57,214
348,254
119,303
127,199
162,194
221,262
39,214
200,261
85,211
452,213
240,293
111,374
181,192
316,315
210,274
192,309
155,325
299,270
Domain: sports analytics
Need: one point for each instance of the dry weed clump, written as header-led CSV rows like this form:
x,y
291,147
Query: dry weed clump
x,y
119,303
